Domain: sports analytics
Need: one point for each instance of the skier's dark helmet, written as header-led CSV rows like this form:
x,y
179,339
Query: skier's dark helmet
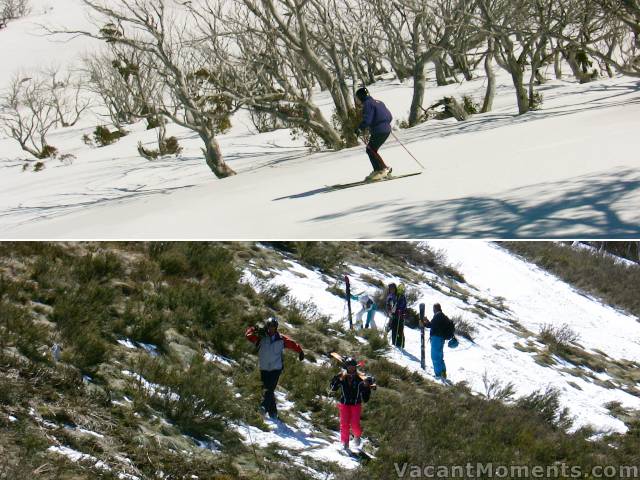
x,y
362,94
350,362
271,322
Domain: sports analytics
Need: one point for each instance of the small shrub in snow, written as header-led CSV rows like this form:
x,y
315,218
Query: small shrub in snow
x,y
103,136
469,105
87,140
38,166
48,151
67,158
558,336
496,390
169,146
464,328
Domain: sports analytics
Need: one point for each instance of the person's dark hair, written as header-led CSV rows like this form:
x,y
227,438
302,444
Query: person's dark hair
x,y
362,94
437,307
394,286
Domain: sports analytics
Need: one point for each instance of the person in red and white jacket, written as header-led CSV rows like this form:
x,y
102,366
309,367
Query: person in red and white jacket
x,y
271,345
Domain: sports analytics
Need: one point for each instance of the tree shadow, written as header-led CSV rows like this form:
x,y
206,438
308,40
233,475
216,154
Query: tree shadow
x,y
582,207
41,212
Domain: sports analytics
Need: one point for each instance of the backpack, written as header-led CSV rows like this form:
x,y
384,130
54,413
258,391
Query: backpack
x,y
449,328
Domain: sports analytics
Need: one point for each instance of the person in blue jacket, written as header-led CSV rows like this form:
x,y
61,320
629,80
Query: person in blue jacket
x,y
440,331
377,118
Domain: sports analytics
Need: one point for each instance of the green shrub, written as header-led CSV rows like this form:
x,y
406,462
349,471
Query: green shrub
x,y
304,384
146,325
103,136
97,267
546,404
197,398
496,390
173,262
417,255
377,344
31,439
88,349
326,256
302,313
170,146
48,151
273,295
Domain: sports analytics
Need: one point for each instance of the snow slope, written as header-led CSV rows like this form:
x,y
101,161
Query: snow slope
x,y
532,298
568,170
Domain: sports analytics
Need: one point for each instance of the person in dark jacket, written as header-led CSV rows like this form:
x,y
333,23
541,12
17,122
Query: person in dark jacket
x,y
396,306
354,391
271,345
377,118
438,327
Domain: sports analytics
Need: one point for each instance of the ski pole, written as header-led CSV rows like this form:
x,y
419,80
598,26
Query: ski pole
x,y
402,145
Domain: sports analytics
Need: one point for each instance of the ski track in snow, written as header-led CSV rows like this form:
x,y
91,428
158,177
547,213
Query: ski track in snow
x,y
546,174
533,298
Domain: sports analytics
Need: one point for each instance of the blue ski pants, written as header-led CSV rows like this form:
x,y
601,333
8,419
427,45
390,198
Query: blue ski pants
x,y
437,355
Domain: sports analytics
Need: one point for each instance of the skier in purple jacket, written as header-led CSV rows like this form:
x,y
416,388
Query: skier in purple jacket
x,y
377,118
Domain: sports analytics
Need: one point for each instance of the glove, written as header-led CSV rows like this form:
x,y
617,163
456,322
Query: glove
x,y
370,382
357,131
301,356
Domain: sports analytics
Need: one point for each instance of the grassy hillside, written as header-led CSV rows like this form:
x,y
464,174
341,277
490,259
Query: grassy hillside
x,y
133,388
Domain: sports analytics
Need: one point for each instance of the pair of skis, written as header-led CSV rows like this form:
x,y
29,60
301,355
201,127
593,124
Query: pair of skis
x,y
340,359
342,186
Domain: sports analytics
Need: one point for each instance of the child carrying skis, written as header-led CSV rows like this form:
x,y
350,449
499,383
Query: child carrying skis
x,y
353,392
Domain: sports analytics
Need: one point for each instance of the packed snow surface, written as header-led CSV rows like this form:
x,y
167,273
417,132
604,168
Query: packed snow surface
x,y
568,170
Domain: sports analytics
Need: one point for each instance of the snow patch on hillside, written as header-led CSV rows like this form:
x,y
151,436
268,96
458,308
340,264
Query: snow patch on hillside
x,y
532,298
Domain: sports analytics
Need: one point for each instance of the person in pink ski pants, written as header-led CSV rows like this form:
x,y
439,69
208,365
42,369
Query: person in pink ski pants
x,y
353,392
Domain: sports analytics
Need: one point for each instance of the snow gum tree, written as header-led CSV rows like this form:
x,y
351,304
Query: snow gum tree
x,y
160,31
27,114
288,48
417,33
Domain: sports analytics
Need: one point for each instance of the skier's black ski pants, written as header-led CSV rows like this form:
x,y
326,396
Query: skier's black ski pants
x,y
269,383
397,331
375,142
